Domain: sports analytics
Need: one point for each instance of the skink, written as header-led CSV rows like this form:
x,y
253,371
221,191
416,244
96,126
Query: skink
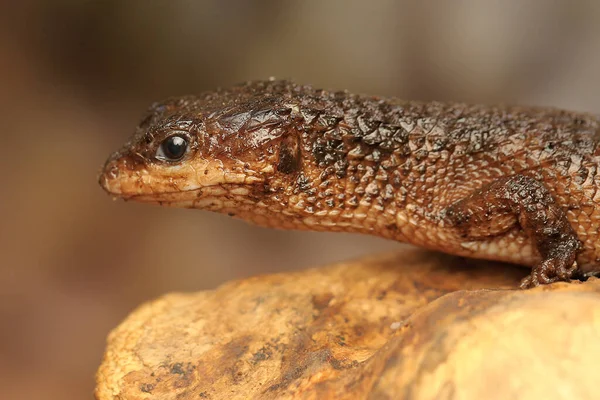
x,y
514,184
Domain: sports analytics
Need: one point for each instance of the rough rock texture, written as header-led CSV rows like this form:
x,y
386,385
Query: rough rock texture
x,y
412,325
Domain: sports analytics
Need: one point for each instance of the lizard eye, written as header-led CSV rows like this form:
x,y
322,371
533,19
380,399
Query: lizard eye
x,y
172,148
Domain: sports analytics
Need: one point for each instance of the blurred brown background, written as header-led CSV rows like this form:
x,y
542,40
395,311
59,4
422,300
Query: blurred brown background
x,y
76,76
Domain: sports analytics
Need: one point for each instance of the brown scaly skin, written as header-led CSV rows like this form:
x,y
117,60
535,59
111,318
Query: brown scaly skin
x,y
513,184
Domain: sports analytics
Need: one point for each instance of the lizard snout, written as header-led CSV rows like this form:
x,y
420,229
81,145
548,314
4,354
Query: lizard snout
x,y
109,177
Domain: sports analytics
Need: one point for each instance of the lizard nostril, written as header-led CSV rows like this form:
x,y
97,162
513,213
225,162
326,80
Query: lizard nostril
x,y
109,177
113,171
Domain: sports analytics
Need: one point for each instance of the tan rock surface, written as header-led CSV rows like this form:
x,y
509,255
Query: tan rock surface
x,y
413,325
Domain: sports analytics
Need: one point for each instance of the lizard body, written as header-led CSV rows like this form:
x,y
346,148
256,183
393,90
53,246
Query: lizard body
x,y
515,184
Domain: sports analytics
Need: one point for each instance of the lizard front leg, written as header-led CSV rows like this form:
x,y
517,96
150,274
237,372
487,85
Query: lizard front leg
x,y
522,200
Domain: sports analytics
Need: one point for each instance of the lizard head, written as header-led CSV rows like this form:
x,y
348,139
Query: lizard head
x,y
226,151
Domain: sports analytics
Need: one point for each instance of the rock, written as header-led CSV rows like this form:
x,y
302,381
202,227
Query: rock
x,y
411,325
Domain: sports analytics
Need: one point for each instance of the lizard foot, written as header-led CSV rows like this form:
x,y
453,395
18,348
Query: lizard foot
x,y
550,271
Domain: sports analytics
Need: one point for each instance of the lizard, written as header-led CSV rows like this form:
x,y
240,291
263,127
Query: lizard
x,y
508,183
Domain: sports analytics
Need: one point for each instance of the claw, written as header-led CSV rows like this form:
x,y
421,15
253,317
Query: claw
x,y
527,282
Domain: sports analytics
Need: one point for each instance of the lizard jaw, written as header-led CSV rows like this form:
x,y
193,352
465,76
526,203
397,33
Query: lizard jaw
x,y
122,178
204,184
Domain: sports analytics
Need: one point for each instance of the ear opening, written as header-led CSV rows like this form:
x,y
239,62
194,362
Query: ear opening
x,y
289,154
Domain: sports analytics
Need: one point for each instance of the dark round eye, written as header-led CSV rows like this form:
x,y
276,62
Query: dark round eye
x,y
172,148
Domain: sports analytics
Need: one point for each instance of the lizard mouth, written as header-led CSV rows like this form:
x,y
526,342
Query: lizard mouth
x,y
164,197
153,182
203,186
212,198
144,192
